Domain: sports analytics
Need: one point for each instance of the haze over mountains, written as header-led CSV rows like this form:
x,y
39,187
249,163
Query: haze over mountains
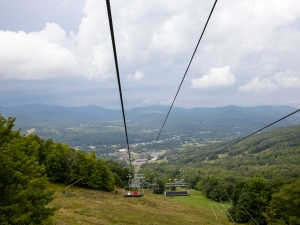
x,y
97,126
45,112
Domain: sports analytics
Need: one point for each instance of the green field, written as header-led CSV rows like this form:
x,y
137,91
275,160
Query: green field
x,y
86,206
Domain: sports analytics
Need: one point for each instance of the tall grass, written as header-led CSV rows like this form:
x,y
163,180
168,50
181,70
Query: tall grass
x,y
85,206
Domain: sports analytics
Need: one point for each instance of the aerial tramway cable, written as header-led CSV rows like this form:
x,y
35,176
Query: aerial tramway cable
x,y
227,146
255,132
118,75
184,75
172,193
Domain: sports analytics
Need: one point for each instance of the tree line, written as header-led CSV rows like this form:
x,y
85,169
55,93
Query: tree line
x,y
260,175
28,163
256,200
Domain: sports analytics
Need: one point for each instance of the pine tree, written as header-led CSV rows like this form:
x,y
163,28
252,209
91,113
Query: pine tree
x,y
23,194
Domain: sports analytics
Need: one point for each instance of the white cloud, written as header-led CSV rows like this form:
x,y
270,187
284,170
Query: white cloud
x,y
287,80
258,85
49,53
216,77
154,102
278,81
168,102
52,33
149,102
158,38
34,56
138,75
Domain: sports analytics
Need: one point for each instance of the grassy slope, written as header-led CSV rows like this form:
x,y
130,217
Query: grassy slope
x,y
85,206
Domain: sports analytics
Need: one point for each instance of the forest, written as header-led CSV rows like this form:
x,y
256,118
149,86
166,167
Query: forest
x,y
82,127
28,163
259,176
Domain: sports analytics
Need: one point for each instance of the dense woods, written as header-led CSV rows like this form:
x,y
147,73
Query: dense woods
x,y
29,162
23,194
260,175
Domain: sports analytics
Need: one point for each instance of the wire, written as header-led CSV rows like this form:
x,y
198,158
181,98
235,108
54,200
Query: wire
x,y
254,132
184,76
118,75
250,215
228,213
213,210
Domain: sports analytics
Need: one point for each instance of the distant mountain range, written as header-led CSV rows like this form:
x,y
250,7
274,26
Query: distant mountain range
x,y
232,113
92,125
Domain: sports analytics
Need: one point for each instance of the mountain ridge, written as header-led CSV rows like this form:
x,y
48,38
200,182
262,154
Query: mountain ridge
x,y
93,125
55,110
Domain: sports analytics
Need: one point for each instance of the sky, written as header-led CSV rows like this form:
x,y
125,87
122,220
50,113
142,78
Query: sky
x,y
59,52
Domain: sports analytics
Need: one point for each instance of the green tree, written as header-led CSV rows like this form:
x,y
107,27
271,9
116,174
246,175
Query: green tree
x,y
284,207
252,199
56,163
213,188
23,183
120,173
96,172
161,187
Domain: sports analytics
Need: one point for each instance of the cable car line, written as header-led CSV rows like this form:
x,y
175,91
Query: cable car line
x,y
121,98
184,75
227,146
249,214
118,75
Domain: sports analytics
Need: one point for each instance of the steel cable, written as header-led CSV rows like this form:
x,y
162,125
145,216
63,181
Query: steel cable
x,y
118,75
184,76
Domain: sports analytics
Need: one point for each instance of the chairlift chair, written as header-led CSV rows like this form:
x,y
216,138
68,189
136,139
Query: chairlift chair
x,y
170,193
153,187
128,191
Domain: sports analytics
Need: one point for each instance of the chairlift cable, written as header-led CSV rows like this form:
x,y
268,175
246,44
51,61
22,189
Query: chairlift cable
x,y
227,146
184,76
249,215
118,75
228,213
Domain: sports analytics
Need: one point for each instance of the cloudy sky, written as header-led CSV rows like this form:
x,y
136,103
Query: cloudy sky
x,y
59,52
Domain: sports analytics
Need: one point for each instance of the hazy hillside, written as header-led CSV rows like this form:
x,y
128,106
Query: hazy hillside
x,y
271,153
100,127
46,112
261,173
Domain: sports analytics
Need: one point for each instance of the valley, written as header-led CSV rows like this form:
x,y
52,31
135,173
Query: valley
x,y
254,173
